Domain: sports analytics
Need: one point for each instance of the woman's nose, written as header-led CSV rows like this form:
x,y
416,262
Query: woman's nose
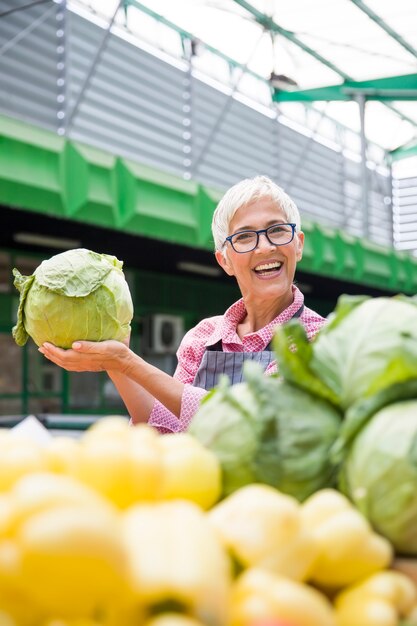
x,y
263,242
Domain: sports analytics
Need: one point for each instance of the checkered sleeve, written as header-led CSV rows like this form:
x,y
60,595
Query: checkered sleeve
x,y
166,422
189,357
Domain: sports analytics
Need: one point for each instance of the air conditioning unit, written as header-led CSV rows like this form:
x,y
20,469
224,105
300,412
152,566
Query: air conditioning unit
x,y
162,334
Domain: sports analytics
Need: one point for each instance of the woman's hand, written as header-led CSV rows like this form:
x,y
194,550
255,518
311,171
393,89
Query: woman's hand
x,y
90,356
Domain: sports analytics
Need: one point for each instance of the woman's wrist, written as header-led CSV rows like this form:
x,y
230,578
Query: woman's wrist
x,y
128,362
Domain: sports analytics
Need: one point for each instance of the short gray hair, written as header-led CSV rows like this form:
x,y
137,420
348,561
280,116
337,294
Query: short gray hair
x,y
243,193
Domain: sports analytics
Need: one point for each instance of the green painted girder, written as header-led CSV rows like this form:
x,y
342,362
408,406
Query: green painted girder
x,y
381,89
46,173
269,24
404,152
337,254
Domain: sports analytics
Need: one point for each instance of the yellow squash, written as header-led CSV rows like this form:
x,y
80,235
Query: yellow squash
x,y
261,527
260,596
349,549
190,470
380,600
176,560
122,462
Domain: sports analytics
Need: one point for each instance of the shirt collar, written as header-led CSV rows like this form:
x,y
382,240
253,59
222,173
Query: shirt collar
x,y
226,330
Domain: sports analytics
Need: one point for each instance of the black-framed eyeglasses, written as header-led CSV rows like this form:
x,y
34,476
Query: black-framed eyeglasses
x,y
248,240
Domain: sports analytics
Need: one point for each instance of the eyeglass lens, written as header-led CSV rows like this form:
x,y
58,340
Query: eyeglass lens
x,y
278,234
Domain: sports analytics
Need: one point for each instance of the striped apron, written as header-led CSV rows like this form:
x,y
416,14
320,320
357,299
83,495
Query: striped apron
x,y
215,362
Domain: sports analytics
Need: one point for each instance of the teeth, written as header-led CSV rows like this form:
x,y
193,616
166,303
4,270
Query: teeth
x,y
268,266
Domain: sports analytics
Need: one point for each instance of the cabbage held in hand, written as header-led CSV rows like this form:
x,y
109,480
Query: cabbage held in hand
x,y
380,474
268,431
75,295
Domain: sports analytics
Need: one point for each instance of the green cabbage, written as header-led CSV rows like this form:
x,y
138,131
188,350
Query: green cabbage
x,y
369,345
78,294
266,430
380,474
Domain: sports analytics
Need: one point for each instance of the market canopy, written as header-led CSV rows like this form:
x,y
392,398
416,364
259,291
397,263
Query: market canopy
x,y
323,48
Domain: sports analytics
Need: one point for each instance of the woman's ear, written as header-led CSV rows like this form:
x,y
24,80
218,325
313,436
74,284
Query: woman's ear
x,y
223,262
300,245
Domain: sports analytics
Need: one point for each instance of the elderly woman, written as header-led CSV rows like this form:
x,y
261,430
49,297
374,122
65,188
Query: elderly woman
x,y
256,230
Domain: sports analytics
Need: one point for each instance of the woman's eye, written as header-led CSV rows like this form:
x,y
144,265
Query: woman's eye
x,y
243,236
280,228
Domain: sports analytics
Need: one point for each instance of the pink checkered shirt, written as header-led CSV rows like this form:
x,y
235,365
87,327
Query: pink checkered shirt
x,y
208,332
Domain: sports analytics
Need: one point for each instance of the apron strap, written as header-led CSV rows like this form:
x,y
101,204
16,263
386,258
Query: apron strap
x,y
218,346
299,312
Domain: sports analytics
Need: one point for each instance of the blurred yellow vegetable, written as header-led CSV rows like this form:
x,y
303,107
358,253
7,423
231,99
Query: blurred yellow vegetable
x,y
349,550
73,562
18,456
262,527
61,455
176,559
190,470
122,462
6,513
261,596
109,426
14,599
41,491
6,619
173,619
72,622
380,600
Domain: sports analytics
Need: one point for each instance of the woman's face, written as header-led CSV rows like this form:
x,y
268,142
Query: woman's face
x,y
266,273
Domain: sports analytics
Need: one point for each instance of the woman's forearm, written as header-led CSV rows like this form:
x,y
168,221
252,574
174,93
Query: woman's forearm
x,y
138,382
151,383
138,401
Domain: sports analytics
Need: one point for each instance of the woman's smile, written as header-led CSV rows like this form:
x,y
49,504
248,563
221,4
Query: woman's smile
x,y
267,270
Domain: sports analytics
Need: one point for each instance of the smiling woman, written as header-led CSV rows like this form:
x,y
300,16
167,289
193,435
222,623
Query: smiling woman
x,y
258,239
265,269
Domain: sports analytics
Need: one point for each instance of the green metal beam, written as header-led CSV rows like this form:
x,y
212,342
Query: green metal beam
x,y
381,89
269,23
329,93
404,152
382,24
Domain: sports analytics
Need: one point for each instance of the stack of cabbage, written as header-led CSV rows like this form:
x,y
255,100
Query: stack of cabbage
x,y
78,294
344,413
269,431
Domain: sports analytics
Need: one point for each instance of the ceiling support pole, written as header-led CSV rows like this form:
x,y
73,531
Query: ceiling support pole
x,y
361,99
